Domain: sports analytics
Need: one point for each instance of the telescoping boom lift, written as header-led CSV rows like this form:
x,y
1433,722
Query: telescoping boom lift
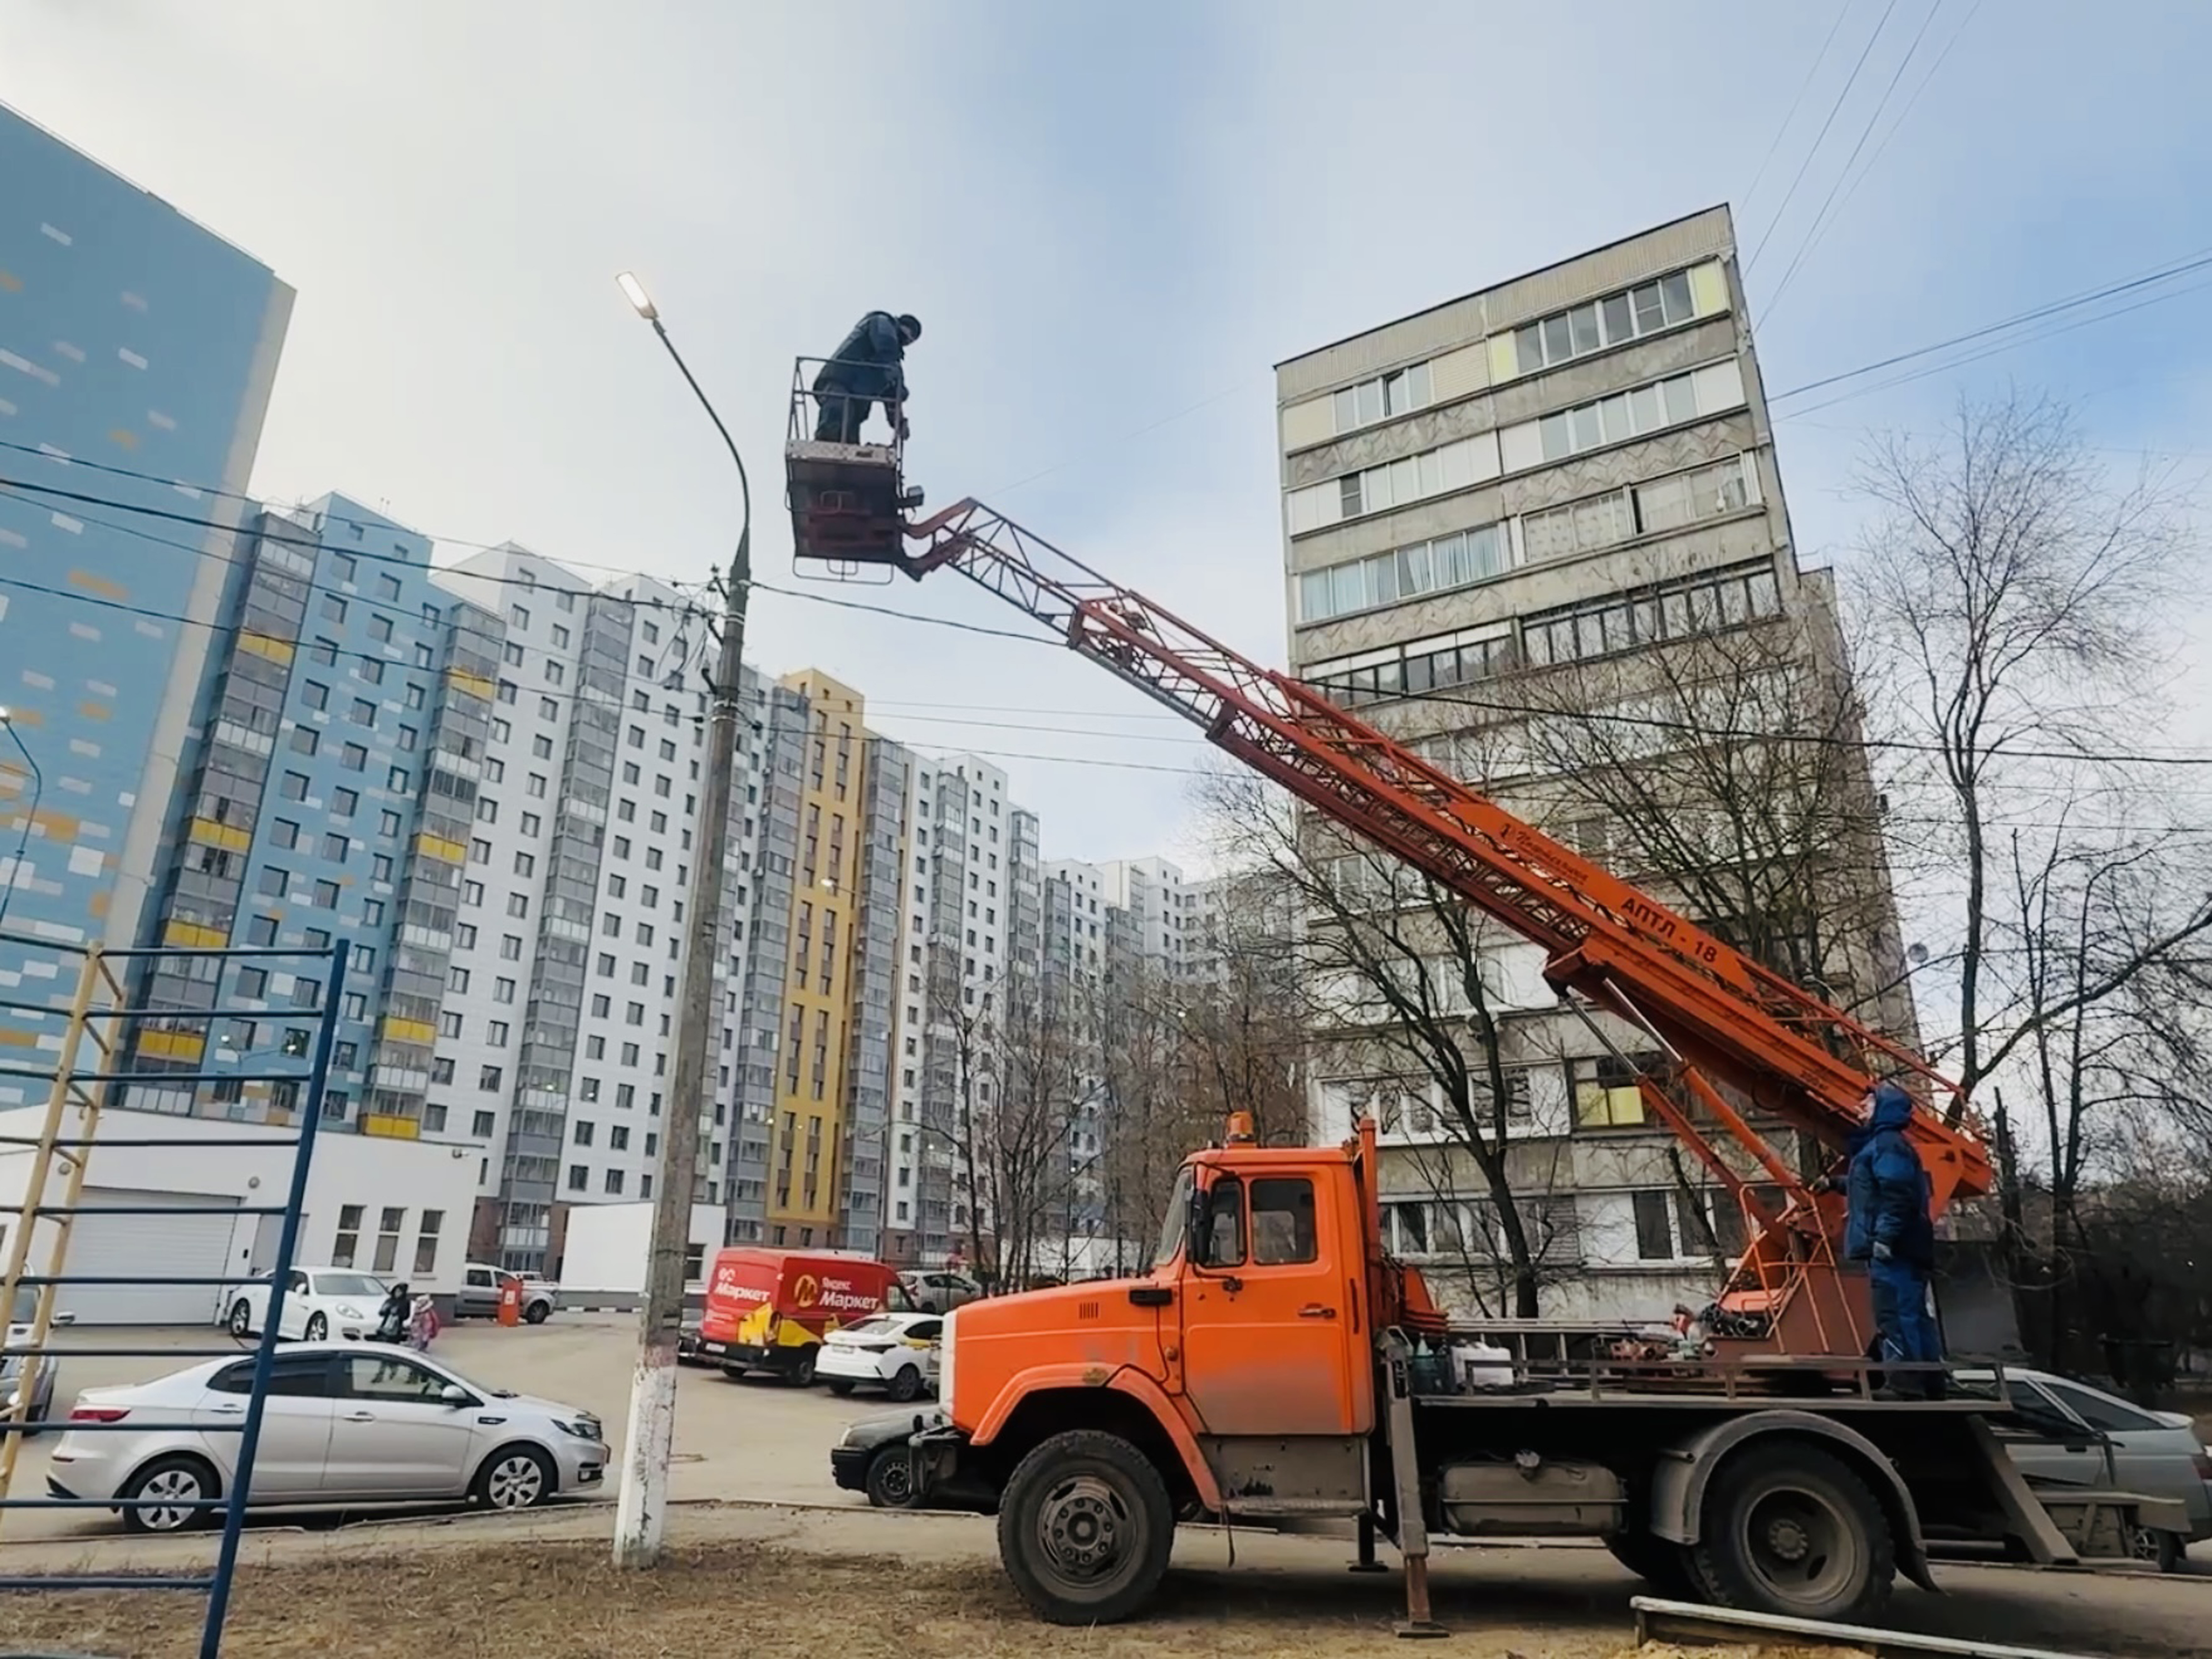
x,y
1737,1042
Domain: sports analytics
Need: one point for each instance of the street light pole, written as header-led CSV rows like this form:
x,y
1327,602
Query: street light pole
x,y
30,812
641,1506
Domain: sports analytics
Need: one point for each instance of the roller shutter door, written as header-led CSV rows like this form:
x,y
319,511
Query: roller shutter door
x,y
129,1246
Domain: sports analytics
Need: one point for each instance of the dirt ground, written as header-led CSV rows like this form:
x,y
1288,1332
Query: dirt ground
x,y
783,1581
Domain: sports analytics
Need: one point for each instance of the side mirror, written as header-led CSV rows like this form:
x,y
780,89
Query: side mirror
x,y
453,1394
1198,1224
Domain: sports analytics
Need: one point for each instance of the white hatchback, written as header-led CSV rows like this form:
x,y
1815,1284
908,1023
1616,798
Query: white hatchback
x,y
895,1352
344,1423
320,1304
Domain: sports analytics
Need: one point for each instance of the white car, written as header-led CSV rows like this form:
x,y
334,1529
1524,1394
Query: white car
x,y
896,1352
319,1304
343,1424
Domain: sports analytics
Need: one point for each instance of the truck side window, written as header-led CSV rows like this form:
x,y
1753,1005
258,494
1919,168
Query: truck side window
x,y
1224,1211
1283,1221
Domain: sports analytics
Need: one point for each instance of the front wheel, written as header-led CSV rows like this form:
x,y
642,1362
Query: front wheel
x,y
242,1318
514,1478
537,1313
891,1478
319,1328
1793,1530
1084,1529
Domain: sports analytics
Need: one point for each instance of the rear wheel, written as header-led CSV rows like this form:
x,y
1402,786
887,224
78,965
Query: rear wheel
x,y
1084,1529
802,1372
242,1318
840,1387
538,1312
187,1483
907,1384
2162,1550
1792,1529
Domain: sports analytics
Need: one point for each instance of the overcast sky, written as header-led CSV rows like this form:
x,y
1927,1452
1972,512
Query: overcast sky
x,y
1112,219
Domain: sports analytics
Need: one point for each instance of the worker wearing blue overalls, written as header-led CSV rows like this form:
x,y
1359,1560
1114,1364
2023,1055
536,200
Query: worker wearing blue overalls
x,y
1889,1227
868,367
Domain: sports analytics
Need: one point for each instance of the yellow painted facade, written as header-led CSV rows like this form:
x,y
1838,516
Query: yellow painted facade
x,y
806,1136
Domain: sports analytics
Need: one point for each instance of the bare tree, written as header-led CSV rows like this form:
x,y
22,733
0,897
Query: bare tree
x,y
2015,603
1395,966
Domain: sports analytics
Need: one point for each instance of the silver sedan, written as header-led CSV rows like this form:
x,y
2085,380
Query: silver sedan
x,y
344,1423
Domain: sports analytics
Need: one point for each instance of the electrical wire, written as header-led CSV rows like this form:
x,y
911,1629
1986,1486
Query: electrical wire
x,y
1681,727
1795,104
1821,137
1820,218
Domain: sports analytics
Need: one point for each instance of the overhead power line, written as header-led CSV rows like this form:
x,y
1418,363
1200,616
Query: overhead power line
x,y
1796,103
1821,137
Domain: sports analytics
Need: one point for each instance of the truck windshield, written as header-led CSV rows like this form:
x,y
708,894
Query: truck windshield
x,y
1171,1229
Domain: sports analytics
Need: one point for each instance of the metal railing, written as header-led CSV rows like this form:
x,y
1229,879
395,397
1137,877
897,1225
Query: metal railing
x,y
845,491
99,1052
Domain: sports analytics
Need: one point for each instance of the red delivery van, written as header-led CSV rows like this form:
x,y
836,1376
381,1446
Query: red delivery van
x,y
769,1309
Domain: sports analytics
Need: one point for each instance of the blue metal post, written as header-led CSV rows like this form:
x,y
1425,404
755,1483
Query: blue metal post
x,y
233,1520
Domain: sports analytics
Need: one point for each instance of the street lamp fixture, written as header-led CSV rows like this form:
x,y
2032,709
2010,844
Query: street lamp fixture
x,y
640,301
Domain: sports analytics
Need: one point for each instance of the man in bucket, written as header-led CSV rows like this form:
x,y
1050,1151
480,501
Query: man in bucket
x,y
868,366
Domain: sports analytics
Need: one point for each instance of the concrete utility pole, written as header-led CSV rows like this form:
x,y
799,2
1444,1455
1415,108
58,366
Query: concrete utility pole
x,y
641,1507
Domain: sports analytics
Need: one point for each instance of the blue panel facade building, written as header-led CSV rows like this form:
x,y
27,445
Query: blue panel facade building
x,y
329,793
133,338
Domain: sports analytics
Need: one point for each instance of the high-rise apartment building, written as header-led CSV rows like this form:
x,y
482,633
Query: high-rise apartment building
x,y
1481,500
131,337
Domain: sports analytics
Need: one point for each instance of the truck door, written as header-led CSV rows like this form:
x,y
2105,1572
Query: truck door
x,y
1269,1347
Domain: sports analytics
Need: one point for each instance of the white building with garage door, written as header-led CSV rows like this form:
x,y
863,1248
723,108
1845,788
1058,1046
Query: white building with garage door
x,y
398,1209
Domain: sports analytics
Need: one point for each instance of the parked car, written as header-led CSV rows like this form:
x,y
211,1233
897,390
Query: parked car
x,y
14,1364
481,1284
871,1457
2155,1453
896,1352
939,1292
343,1424
319,1304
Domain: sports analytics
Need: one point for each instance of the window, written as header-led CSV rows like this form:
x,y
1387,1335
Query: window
x,y
1602,323
326,894
613,1181
384,1375
1655,1237
618,1138
1606,1094
1598,628
488,1078
334,608
449,1024
519,616
380,867
582,1132
482,1124
426,1242
473,892
1437,472
1687,497
347,1240
510,945
2097,1410
354,758
306,740
261,930
380,629
315,695
496,1033
274,882
284,834
456,981
387,586
335,848
1223,1243
1283,1228
1383,398
518,904
363,713
580,1178
1437,567
502,990
1578,527
295,785
252,983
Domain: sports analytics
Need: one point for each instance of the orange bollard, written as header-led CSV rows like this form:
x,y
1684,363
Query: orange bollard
x,y
510,1302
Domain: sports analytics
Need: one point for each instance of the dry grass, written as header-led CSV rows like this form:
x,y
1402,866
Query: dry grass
x,y
561,1600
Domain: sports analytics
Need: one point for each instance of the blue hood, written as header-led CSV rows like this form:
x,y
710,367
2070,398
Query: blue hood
x,y
1892,1108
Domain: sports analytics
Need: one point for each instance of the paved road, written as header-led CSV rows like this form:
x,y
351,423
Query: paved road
x,y
754,1440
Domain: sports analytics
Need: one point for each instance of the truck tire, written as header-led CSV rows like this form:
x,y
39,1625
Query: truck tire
x,y
1789,1528
1660,1564
1085,1529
